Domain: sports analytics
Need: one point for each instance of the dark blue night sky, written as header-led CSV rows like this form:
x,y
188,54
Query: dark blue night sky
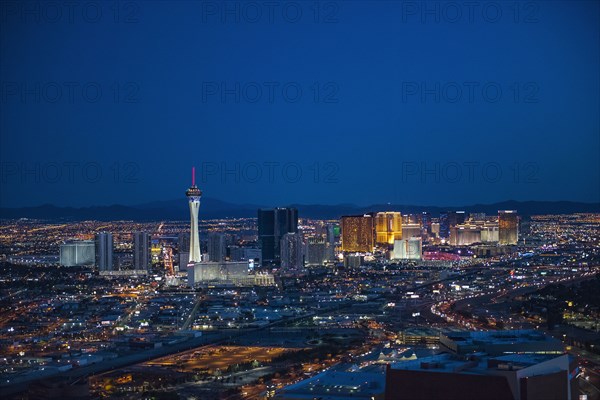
x,y
331,102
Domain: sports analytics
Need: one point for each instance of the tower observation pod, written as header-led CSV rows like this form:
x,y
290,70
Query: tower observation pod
x,y
193,194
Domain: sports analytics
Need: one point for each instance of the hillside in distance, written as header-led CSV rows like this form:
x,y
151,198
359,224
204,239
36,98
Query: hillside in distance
x,y
210,208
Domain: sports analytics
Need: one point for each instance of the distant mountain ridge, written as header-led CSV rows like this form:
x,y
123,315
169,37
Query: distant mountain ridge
x,y
211,208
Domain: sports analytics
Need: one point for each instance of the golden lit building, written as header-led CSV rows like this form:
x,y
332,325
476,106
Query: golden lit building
x,y
357,233
388,227
465,234
473,232
508,227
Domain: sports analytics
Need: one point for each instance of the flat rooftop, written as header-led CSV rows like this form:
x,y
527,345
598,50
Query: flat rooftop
x,y
477,363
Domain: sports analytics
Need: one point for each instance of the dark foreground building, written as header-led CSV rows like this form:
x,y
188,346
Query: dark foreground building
x,y
476,377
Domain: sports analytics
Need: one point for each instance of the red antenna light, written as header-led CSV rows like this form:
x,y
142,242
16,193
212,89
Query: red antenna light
x,y
193,176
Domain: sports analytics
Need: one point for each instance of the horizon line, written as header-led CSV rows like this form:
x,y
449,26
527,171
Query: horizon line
x,y
284,204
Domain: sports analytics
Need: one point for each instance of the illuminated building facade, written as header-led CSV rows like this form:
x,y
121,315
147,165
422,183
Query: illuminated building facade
x,y
388,227
464,235
435,229
193,194
489,232
209,271
77,253
357,233
316,251
473,231
508,227
408,249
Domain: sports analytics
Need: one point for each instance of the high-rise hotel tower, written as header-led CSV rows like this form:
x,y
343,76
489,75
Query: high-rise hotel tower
x,y
193,194
357,233
388,227
104,251
508,227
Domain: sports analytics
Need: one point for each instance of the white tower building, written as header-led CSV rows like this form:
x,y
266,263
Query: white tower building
x,y
193,194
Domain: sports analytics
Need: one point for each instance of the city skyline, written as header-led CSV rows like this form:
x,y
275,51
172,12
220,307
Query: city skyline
x,y
388,200
434,289
425,286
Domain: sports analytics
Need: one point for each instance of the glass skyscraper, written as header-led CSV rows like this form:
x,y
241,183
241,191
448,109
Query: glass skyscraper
x,y
272,225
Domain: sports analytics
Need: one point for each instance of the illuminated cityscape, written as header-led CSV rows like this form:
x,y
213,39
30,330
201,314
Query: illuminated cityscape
x,y
388,200
334,308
